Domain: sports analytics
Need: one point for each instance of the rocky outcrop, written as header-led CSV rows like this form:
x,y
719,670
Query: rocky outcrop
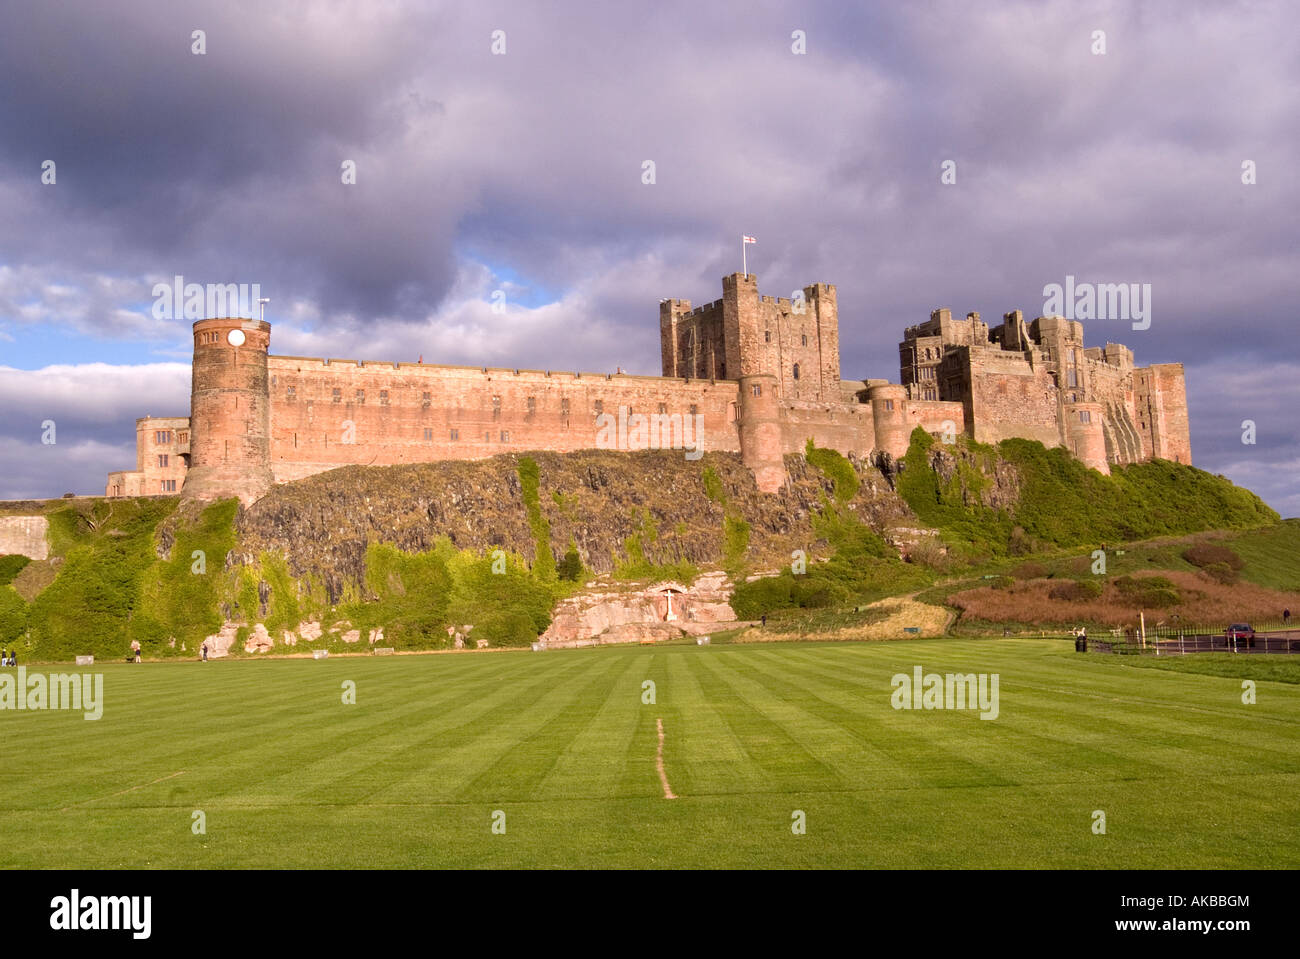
x,y
650,613
259,640
219,643
597,499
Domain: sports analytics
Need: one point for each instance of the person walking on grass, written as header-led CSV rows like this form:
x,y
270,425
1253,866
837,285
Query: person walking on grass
x,y
135,649
1286,615
203,651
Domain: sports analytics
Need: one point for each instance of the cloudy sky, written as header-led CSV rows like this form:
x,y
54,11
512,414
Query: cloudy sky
x,y
522,171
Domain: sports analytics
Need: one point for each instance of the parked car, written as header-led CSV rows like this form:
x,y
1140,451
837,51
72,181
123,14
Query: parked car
x,y
1238,633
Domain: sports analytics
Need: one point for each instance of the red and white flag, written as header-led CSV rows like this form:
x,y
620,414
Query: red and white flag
x,y
748,239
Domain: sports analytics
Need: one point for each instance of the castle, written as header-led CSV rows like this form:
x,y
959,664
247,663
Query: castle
x,y
747,373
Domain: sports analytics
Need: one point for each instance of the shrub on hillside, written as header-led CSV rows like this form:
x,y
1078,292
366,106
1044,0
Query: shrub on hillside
x,y
836,468
1221,573
1029,571
1075,590
11,566
1155,592
570,568
1211,554
13,616
929,552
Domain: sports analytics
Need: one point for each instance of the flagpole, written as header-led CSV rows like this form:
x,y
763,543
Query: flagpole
x,y
744,259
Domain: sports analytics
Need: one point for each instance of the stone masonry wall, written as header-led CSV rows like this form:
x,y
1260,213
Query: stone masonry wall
x,y
412,413
24,536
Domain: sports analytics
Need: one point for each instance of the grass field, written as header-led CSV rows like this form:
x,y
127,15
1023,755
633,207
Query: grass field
x,y
561,742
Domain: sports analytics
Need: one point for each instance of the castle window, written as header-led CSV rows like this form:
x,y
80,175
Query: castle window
x,y
695,410
722,370
168,486
162,437
162,460
663,408
496,407
1072,377
426,400
182,437
428,434
796,371
889,404
600,407
804,338
338,395
767,336
757,389
290,393
532,405
383,397
505,436
455,435
361,397
564,406
1085,416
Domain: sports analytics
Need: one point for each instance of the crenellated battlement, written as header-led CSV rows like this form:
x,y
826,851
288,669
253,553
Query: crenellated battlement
x,y
754,374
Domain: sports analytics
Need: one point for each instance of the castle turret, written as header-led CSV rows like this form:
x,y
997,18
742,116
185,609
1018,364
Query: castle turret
x,y
230,427
887,409
760,431
1083,434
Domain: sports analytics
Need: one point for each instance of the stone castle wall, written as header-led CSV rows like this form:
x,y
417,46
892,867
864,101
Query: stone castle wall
x,y
326,414
748,373
24,536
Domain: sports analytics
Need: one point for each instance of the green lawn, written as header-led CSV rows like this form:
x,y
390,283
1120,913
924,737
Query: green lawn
x,y
561,742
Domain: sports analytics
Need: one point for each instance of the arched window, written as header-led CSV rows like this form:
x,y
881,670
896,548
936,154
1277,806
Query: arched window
x,y
796,371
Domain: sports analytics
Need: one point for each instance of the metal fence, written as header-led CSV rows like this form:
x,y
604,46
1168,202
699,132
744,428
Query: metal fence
x,y
1167,640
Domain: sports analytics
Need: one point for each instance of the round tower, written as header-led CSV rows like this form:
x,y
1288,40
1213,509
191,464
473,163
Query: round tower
x,y
230,423
760,431
888,409
1084,437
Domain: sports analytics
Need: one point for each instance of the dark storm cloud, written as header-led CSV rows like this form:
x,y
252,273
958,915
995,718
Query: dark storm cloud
x,y
1117,168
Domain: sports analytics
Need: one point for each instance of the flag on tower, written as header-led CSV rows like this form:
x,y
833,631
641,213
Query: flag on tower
x,y
749,239
744,260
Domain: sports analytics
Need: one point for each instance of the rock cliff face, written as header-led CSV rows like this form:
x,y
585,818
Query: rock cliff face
x,y
597,499
654,612
983,480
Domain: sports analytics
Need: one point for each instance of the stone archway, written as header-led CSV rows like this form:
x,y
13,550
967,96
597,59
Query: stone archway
x,y
665,610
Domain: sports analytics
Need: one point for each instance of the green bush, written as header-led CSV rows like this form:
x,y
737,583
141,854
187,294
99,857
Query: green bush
x,y
10,566
570,568
836,468
1211,554
13,617
1221,573
1076,590
1148,591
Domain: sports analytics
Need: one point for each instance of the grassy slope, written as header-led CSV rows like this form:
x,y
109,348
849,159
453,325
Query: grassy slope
x,y
1272,556
409,776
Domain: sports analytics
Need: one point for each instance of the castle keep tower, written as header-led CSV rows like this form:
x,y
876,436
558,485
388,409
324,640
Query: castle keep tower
x,y
760,431
230,452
